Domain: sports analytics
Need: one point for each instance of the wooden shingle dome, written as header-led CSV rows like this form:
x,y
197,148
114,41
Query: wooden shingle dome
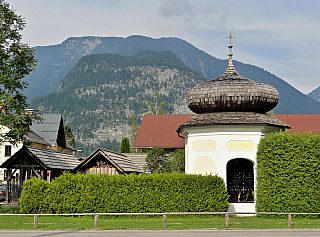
x,y
231,92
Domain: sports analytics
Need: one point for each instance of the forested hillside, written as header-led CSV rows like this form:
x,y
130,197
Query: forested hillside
x,y
57,60
101,91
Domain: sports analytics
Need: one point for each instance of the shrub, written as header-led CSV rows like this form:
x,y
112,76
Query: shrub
x,y
84,193
156,160
34,196
288,168
176,161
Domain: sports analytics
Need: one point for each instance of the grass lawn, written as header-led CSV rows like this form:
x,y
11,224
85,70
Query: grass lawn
x,y
173,222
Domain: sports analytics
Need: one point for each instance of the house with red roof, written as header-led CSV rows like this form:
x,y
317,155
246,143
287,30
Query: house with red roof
x,y
300,123
160,130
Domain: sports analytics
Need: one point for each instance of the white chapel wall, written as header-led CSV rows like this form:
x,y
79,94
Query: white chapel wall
x,y
208,149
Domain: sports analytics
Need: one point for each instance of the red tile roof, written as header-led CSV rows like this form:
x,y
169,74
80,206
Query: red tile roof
x,y
300,123
160,130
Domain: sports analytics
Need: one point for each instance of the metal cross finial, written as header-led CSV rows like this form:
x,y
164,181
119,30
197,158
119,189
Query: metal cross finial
x,y
230,37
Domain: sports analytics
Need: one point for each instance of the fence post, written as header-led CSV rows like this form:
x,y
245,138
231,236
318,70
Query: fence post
x,y
289,220
227,220
164,220
96,218
35,221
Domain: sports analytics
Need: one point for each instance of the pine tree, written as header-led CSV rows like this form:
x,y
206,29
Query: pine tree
x,y
125,145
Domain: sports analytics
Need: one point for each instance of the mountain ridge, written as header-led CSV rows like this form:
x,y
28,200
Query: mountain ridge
x,y
102,90
56,61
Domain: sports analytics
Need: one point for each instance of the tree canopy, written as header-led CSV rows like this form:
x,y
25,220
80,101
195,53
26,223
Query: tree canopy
x,y
155,103
156,160
16,61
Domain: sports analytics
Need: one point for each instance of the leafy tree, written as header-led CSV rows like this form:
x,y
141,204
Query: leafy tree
x,y
125,145
16,61
69,136
176,163
155,104
156,160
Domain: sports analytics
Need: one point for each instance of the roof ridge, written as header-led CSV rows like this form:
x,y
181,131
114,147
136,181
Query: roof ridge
x,y
154,127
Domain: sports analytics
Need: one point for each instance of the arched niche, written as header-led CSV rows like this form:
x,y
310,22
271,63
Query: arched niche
x,y
240,180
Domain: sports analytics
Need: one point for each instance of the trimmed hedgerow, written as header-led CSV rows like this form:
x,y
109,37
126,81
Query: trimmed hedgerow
x,y
34,196
288,173
80,193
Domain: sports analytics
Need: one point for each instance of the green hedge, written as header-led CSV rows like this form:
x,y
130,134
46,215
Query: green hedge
x,y
81,193
288,173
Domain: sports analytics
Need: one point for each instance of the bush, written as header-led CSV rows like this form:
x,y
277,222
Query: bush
x,y
34,196
176,161
80,193
157,160
288,168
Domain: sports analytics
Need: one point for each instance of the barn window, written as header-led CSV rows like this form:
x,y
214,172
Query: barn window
x,y
240,181
7,150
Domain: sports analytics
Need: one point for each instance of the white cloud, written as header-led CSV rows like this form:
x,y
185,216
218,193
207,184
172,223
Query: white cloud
x,y
281,36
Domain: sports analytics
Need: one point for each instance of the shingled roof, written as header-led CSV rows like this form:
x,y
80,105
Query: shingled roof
x,y
49,159
231,92
232,118
139,159
121,162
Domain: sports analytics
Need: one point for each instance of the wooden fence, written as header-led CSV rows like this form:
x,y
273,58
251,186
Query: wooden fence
x,y
226,214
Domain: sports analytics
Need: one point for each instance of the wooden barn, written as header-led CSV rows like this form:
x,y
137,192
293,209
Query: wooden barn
x,y
34,161
104,161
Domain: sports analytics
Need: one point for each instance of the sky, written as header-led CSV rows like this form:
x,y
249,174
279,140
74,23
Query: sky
x,y
281,36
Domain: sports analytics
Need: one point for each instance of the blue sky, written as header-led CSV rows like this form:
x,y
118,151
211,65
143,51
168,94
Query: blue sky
x,y
281,36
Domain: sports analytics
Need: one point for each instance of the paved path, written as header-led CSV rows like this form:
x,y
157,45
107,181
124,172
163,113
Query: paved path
x,y
162,233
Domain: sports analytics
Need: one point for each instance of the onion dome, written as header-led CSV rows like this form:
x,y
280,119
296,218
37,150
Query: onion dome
x,y
231,92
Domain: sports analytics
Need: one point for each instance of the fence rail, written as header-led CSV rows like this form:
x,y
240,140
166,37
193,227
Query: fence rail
x,y
226,214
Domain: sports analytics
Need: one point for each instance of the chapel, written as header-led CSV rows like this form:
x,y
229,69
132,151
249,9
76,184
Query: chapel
x,y
222,138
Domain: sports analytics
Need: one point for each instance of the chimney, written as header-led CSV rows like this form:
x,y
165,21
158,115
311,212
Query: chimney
x,y
78,153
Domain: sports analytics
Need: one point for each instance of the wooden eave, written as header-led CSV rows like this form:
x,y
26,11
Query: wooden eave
x,y
14,157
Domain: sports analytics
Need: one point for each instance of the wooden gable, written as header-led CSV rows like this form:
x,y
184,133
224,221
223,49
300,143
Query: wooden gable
x,y
23,158
105,161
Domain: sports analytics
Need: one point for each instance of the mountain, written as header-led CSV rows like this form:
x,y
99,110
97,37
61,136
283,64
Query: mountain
x,y
56,61
315,94
102,90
